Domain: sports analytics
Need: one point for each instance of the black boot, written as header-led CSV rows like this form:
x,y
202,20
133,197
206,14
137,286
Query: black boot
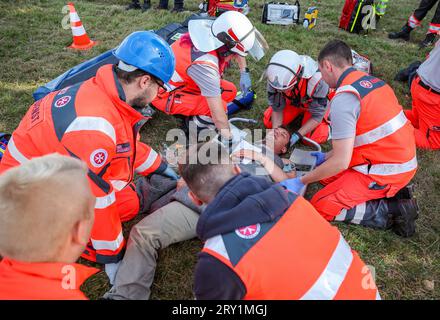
x,y
178,6
133,5
404,219
402,34
163,5
429,40
146,5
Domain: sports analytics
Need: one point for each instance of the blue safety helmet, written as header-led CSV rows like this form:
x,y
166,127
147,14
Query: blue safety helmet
x,y
147,51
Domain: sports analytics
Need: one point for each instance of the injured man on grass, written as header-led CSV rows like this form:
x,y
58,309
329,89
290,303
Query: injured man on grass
x,y
174,216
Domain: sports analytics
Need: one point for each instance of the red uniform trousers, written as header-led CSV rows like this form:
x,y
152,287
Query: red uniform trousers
x,y
347,190
319,134
192,104
425,116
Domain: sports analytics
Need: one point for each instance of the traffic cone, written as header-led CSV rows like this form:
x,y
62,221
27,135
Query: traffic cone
x,y
81,40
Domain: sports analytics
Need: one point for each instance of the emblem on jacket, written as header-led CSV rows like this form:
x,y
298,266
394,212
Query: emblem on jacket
x,y
98,158
248,232
61,102
366,84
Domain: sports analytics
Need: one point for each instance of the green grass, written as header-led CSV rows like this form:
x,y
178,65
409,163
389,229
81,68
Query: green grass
x,y
32,52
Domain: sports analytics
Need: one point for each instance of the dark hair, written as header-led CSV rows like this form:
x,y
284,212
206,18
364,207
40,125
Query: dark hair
x,y
206,167
338,52
129,77
288,145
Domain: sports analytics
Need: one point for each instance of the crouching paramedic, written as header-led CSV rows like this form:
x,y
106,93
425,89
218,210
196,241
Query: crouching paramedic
x,y
374,153
425,92
202,56
295,87
98,122
248,227
46,215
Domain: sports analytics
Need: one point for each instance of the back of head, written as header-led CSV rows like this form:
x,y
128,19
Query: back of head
x,y
40,202
206,167
338,53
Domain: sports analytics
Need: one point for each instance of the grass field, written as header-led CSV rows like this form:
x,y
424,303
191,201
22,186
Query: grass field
x,y
32,52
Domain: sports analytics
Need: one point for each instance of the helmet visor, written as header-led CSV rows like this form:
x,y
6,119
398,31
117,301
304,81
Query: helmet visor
x,y
260,47
281,77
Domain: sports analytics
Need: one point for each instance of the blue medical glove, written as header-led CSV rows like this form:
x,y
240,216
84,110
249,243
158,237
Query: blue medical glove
x,y
320,157
296,136
245,81
169,172
295,185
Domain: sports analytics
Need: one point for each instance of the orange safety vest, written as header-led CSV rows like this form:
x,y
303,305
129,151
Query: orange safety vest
x,y
187,55
299,256
89,121
384,146
298,97
42,281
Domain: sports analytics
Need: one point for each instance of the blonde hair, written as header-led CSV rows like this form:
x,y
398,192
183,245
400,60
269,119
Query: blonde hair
x,y
39,207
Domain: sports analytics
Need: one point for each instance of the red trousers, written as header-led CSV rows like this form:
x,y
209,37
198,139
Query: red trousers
x,y
347,190
425,116
319,134
190,104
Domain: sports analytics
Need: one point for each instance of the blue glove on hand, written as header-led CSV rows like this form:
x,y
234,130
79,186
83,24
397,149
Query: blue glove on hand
x,y
295,185
320,157
170,173
245,82
296,136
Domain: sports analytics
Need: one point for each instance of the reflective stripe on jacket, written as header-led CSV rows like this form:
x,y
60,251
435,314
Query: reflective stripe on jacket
x,y
298,256
384,146
92,122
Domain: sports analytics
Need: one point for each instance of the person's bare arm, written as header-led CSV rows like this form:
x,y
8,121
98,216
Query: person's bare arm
x,y
276,173
219,116
277,119
241,61
336,161
307,127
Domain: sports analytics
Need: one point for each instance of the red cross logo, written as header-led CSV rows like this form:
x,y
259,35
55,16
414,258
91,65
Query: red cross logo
x,y
61,102
98,158
248,232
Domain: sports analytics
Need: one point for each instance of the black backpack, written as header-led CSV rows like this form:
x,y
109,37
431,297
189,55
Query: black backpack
x,y
354,13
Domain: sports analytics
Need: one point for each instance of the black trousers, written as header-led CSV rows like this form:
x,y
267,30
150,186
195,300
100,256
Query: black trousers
x,y
423,9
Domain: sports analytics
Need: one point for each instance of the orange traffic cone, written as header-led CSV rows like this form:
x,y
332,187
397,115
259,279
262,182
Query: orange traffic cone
x,y
81,40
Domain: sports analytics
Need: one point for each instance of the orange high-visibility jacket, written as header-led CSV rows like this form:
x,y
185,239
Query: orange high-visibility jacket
x,y
384,146
89,121
299,256
302,95
42,281
187,55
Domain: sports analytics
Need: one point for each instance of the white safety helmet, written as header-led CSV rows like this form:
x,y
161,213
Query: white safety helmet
x,y
287,68
231,29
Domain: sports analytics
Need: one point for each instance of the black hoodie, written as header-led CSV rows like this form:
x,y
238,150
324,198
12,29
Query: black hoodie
x,y
244,200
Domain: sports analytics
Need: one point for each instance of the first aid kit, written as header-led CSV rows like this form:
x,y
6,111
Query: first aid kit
x,y
281,13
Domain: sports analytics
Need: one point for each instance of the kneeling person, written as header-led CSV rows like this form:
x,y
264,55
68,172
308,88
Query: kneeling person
x,y
249,225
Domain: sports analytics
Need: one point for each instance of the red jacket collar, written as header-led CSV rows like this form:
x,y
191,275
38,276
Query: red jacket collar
x,y
49,270
106,79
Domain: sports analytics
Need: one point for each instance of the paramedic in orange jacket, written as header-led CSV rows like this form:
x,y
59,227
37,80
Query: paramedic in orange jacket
x,y
262,241
425,92
46,215
373,155
202,55
98,122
